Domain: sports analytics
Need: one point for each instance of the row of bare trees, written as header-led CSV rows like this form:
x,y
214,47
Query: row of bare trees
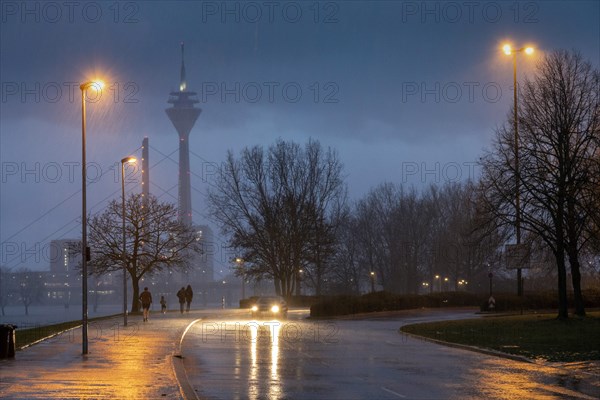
x,y
286,213
285,208
407,237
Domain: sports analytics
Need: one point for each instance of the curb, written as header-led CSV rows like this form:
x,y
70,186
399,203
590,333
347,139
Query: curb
x,y
185,388
476,349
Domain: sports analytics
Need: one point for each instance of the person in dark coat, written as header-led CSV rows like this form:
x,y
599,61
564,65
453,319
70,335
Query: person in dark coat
x,y
181,297
189,295
146,299
163,304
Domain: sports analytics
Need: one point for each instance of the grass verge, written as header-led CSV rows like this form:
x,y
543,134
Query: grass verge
x,y
536,336
27,336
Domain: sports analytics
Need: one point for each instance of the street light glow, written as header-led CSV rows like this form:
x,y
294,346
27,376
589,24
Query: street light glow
x,y
508,50
96,84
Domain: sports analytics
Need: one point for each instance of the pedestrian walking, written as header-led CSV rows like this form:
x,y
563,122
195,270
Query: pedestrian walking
x,y
181,297
189,295
163,304
146,299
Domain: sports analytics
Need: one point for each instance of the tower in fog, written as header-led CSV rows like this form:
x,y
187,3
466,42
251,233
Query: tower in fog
x,y
183,115
145,170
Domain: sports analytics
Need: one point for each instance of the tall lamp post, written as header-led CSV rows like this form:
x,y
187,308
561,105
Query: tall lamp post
x,y
124,253
508,50
240,263
96,85
372,281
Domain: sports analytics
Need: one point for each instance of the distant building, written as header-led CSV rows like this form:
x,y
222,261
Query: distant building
x,y
64,257
204,268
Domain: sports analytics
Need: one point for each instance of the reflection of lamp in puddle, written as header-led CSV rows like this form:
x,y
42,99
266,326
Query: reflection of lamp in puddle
x,y
274,388
253,327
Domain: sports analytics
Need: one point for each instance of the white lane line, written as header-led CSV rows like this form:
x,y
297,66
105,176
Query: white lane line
x,y
186,331
392,392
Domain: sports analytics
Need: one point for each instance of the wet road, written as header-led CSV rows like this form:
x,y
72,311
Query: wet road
x,y
229,356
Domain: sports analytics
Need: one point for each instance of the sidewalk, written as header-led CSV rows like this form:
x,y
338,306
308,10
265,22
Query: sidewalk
x,y
133,362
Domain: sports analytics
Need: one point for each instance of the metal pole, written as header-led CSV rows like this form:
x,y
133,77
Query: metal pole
x,y
372,282
124,251
84,289
517,177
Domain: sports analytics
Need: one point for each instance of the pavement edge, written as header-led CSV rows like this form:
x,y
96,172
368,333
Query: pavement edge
x,y
185,388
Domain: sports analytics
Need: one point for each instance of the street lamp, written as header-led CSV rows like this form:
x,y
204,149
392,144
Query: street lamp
x,y
97,86
437,277
240,263
124,254
372,281
508,50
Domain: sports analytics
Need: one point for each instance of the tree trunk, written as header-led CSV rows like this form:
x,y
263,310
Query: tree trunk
x,y
135,302
277,283
576,279
563,310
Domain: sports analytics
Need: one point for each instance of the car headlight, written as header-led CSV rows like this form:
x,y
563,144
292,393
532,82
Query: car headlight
x,y
275,309
254,308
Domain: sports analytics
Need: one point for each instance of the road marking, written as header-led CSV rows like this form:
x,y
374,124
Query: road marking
x,y
186,331
392,392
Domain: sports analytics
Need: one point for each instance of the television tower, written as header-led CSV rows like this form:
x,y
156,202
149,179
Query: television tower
x,y
183,116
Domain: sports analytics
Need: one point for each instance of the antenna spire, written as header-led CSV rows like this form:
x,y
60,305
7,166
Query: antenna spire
x,y
182,84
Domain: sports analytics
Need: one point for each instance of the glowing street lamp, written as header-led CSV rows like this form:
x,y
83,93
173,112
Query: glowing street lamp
x,y
372,281
299,282
124,161
240,263
508,50
97,86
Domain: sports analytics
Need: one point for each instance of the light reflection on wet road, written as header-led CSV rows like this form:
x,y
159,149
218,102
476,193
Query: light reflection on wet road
x,y
229,356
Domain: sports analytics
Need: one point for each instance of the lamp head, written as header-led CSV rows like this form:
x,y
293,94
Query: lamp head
x,y
96,84
507,49
129,160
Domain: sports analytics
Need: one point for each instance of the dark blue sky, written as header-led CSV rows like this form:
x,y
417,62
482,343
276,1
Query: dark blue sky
x,y
407,92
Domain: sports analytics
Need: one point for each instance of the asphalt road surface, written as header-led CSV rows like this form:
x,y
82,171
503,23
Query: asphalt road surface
x,y
230,356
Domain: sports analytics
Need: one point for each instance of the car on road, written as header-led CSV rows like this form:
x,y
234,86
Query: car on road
x,y
269,306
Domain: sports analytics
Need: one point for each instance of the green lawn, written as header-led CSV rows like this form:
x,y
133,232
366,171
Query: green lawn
x,y
533,336
27,336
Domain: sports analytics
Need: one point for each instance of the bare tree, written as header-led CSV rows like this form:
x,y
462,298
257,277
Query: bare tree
x,y
378,233
279,208
30,287
155,240
4,288
347,275
560,122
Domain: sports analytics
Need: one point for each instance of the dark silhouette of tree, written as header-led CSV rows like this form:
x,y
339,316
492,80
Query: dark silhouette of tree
x,y
155,240
30,287
559,119
280,209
